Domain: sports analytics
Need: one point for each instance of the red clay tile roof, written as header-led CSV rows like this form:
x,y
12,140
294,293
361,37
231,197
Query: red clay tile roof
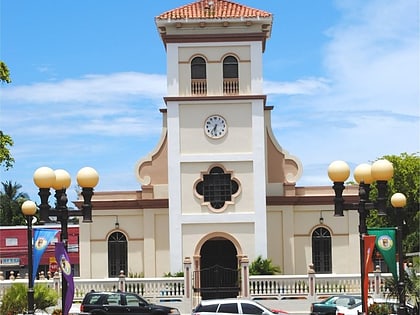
x,y
213,9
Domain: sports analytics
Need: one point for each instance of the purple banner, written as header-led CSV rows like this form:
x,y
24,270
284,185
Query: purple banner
x,y
64,262
42,238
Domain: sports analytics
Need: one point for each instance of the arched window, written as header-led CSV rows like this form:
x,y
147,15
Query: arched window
x,y
117,254
230,76
321,250
198,76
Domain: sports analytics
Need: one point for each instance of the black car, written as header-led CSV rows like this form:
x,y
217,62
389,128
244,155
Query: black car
x,y
329,305
101,303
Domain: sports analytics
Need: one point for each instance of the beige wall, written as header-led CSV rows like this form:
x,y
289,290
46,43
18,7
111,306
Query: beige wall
x,y
193,139
289,232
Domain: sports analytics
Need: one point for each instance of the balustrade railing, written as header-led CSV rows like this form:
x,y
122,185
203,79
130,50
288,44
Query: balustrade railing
x,y
231,86
173,289
198,86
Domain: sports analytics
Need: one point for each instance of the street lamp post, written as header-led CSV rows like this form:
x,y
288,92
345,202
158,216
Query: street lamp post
x,y
29,210
45,178
381,171
399,201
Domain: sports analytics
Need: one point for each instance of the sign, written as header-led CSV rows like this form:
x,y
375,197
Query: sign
x,y
53,265
9,261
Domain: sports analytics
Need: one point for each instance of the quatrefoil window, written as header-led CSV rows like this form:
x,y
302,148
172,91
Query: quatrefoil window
x,y
217,188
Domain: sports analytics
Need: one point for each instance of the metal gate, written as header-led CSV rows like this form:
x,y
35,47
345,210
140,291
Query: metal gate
x,y
217,282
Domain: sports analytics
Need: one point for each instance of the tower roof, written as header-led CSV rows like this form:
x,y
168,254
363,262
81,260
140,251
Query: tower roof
x,y
213,9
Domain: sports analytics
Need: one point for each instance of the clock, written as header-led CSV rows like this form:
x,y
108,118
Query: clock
x,y
215,126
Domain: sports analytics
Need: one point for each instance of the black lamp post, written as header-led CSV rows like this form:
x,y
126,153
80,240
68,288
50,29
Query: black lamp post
x,y
399,201
29,210
364,174
60,180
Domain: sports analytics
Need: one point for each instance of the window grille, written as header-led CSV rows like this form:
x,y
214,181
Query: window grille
x,y
117,254
321,250
217,187
230,76
198,76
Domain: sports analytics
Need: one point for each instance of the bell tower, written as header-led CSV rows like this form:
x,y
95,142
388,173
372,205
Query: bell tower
x,y
217,132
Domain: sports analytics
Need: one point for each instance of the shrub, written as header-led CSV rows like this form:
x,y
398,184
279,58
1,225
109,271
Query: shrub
x,y
15,299
262,266
378,309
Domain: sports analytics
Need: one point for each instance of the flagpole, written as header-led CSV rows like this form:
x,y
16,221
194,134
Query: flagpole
x,y
364,190
399,201
29,210
63,214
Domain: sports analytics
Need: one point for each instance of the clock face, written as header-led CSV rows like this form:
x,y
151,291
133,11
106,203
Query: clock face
x,y
215,126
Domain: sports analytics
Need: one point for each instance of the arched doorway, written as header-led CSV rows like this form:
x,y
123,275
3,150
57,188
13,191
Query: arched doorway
x,y
219,273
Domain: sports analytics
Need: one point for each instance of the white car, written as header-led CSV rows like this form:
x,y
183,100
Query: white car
x,y
234,306
392,304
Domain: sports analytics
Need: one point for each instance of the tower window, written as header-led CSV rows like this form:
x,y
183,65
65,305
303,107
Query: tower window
x,y
198,76
217,187
230,76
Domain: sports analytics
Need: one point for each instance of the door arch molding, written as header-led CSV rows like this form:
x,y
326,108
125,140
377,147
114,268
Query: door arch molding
x,y
217,277
222,235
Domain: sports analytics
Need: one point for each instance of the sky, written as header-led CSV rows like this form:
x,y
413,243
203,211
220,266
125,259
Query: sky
x,y
89,77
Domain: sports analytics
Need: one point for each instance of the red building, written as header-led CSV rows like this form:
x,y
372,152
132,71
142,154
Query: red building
x,y
14,250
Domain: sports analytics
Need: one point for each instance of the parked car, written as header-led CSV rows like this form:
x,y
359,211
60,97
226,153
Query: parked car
x,y
391,304
329,305
233,306
101,303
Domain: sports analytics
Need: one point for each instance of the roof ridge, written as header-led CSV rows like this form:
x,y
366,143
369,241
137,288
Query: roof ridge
x,y
212,9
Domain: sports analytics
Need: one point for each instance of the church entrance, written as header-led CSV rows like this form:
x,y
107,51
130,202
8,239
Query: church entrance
x,y
219,272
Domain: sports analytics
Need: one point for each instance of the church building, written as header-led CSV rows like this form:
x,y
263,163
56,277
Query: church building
x,y
218,187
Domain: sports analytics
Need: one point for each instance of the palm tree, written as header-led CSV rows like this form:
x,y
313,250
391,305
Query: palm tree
x,y
411,287
262,266
10,202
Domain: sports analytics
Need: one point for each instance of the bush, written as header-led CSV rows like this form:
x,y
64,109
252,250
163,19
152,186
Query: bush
x,y
378,309
15,299
262,266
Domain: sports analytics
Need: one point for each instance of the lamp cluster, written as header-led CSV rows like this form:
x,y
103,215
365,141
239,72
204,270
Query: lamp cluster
x,y
46,178
380,171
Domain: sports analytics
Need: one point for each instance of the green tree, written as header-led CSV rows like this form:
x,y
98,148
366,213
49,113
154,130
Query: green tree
x,y
262,266
6,141
4,73
10,202
15,299
406,180
6,158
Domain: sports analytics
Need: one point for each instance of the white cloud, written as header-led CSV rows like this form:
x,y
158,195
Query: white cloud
x,y
91,89
308,86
